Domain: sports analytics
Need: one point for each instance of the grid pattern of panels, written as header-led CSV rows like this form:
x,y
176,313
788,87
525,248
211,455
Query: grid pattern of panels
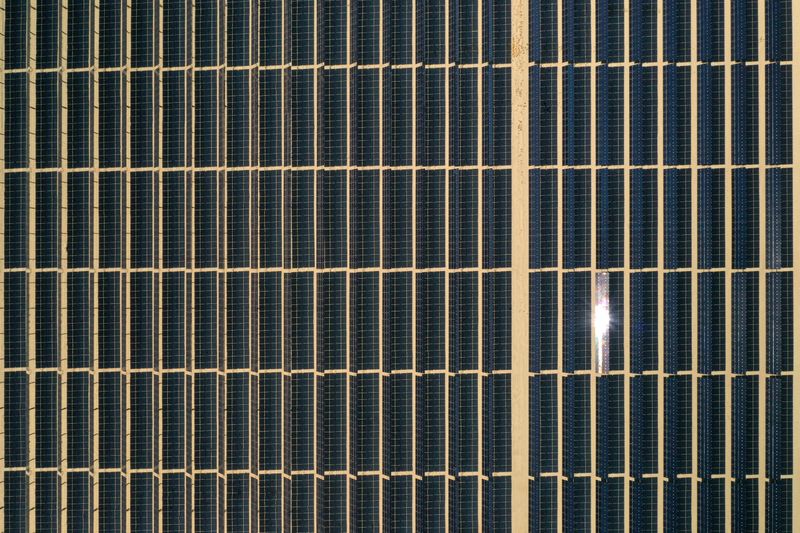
x,y
257,265
661,154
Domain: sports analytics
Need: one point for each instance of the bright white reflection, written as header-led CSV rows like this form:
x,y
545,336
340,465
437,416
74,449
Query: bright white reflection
x,y
602,322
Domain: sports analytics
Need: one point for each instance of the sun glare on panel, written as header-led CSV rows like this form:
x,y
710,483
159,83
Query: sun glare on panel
x,y
602,322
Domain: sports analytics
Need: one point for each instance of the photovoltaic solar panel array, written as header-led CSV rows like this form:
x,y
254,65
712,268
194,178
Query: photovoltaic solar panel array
x,y
661,157
257,265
